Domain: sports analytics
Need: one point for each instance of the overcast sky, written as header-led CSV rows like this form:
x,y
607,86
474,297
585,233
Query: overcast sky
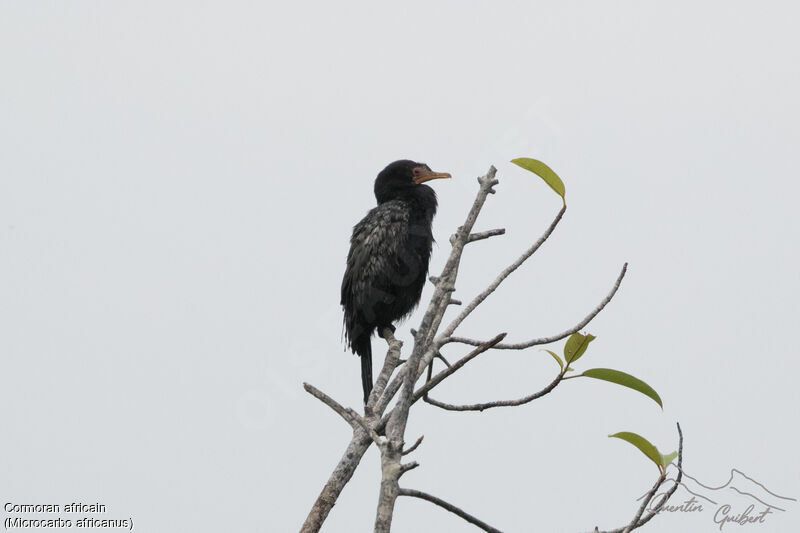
x,y
178,182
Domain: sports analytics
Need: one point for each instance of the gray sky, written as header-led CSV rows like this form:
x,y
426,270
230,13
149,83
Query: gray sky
x,y
178,181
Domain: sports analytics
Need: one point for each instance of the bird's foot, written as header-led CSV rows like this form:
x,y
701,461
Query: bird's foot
x,y
380,330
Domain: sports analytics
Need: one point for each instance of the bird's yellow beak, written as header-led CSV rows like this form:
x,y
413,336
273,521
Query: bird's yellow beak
x,y
428,175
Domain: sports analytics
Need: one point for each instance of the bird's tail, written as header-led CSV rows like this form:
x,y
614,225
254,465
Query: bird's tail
x,y
363,347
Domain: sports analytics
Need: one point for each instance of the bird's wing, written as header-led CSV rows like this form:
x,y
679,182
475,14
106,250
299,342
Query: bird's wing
x,y
374,248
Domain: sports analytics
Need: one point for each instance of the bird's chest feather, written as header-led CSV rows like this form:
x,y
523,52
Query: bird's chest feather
x,y
412,247
393,246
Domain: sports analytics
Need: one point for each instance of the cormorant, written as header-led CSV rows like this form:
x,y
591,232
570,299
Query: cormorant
x,y
388,260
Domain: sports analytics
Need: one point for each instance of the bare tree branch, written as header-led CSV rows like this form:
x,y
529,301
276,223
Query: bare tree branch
x,y
433,316
441,376
440,356
389,364
389,393
359,444
330,402
486,234
336,482
408,466
503,275
500,403
647,498
422,354
414,446
547,340
391,470
350,416
358,419
450,507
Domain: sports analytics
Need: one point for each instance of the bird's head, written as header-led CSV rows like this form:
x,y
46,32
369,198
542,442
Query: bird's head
x,y
404,178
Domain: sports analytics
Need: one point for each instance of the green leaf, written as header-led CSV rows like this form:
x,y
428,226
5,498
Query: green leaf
x,y
576,346
626,380
642,443
556,357
544,172
667,459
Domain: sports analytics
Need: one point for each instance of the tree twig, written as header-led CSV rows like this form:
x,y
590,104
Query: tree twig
x,y
499,403
547,340
441,376
647,498
389,364
502,276
485,234
450,507
408,466
330,402
445,361
433,316
414,446
351,417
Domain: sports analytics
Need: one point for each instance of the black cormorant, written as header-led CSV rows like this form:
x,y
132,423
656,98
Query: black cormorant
x,y
388,260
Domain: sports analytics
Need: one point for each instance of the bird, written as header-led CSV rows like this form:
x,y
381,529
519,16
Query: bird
x,y
387,263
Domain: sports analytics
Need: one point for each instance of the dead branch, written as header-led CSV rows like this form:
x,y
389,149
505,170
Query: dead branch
x,y
359,444
547,340
336,482
647,498
349,415
486,234
499,403
502,276
441,376
450,507
389,365
330,402
408,466
414,446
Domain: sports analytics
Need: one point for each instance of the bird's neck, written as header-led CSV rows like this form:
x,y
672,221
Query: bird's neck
x,y
421,201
